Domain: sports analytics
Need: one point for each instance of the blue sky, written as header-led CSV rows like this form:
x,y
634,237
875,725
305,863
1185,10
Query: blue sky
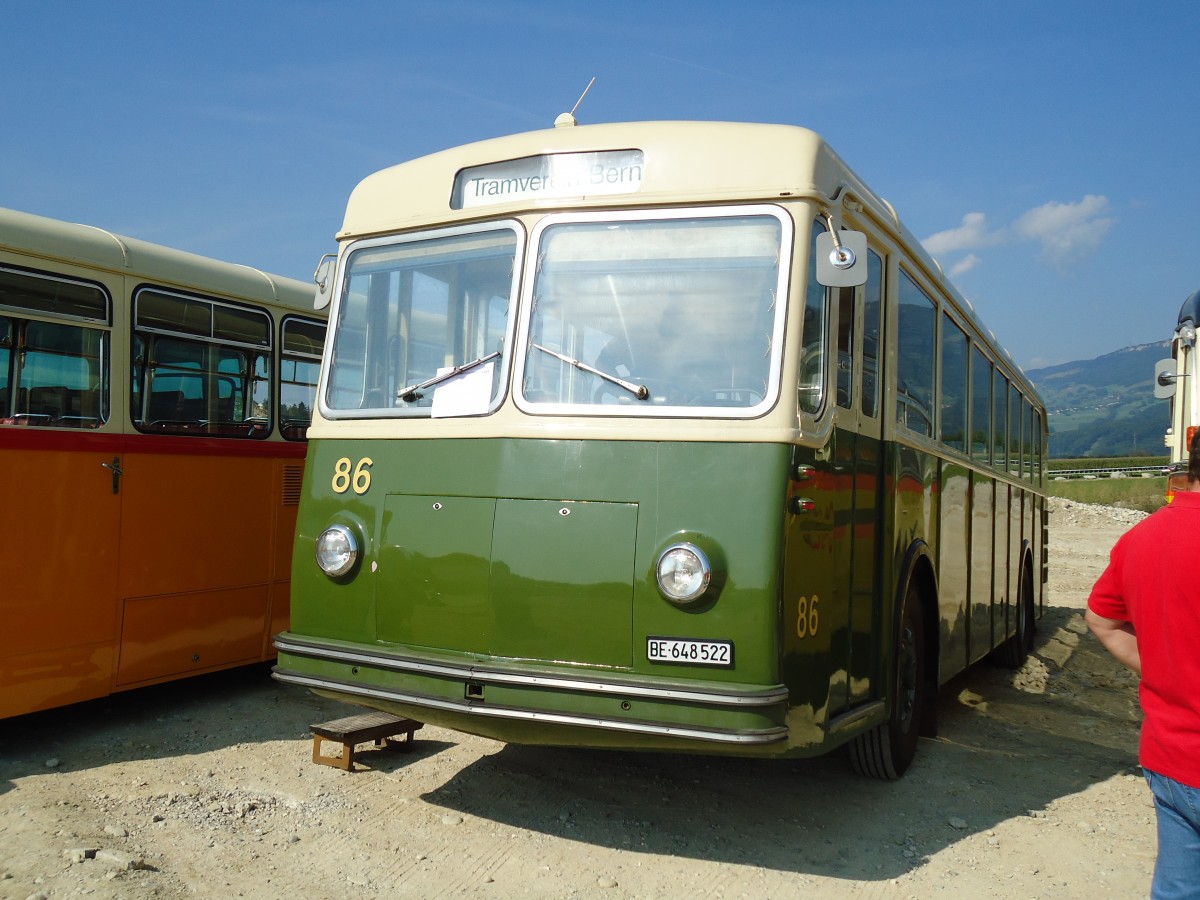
x,y
1046,151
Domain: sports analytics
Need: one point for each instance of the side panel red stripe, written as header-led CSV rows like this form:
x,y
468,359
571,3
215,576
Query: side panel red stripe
x,y
21,438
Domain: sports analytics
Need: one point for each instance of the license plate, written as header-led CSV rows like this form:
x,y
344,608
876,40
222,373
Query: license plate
x,y
687,652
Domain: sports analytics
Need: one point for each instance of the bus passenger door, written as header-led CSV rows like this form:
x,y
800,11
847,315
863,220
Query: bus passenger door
x,y
866,590
59,600
187,608
858,460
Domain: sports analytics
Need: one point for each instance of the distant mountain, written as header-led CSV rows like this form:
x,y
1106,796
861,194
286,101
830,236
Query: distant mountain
x,y
1105,406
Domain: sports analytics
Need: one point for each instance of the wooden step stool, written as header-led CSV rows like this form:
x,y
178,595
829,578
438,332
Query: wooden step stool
x,y
376,727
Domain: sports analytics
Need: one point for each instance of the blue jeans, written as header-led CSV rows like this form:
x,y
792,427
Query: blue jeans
x,y
1177,869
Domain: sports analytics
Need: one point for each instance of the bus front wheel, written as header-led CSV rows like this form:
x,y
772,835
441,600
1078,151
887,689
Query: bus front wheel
x,y
887,750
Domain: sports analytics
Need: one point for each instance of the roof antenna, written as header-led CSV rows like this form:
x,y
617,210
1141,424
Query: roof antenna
x,y
568,119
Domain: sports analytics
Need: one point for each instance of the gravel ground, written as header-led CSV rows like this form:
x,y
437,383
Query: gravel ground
x,y
207,788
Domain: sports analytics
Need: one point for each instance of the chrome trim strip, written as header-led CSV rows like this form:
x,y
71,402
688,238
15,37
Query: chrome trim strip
x,y
845,720
765,736
764,697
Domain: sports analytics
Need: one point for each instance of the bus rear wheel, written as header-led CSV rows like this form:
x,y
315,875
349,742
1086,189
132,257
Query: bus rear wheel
x,y
887,750
1014,651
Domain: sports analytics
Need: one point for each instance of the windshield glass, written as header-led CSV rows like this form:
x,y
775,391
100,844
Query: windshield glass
x,y
672,315
414,310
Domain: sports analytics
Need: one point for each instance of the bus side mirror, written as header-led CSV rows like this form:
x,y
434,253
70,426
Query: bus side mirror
x,y
323,276
841,262
1164,379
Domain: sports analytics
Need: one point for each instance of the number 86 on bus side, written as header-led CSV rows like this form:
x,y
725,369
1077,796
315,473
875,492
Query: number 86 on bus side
x,y
359,480
807,619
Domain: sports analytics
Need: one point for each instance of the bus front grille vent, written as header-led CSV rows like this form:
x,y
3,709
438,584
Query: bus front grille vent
x,y
293,477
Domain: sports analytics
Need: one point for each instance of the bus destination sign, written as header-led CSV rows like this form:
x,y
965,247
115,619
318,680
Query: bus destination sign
x,y
549,177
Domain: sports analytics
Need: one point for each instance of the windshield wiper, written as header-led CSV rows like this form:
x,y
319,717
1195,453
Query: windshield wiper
x,y
410,394
638,390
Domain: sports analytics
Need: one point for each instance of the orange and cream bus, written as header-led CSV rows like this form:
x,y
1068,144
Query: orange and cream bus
x,y
153,411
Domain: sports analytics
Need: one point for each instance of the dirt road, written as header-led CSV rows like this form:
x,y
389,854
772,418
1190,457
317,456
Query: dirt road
x,y
207,789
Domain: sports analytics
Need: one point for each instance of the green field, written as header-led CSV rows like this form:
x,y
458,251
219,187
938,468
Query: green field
x,y
1146,494
1090,462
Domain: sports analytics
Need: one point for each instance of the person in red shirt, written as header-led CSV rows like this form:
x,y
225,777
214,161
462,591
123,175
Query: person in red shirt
x,y
1145,610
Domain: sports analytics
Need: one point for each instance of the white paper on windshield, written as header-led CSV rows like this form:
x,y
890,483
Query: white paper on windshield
x,y
467,394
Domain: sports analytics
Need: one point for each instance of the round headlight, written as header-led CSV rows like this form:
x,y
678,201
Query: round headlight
x,y
337,550
683,573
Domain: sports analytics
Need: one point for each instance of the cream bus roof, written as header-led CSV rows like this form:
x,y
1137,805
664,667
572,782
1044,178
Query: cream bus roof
x,y
693,162
87,245
701,161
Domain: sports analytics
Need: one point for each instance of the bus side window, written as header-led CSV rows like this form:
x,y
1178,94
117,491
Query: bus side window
x,y
812,360
1035,431
6,340
1000,422
53,373
845,347
1014,432
914,358
981,407
200,366
299,365
953,426
872,308
60,374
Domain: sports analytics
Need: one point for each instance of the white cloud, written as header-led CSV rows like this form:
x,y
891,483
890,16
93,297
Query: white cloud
x,y
1066,231
971,235
966,264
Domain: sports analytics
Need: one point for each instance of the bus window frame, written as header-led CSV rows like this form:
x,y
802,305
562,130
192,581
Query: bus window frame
x,y
777,337
1016,432
947,315
848,341
35,313
905,399
285,430
821,383
875,412
341,300
984,455
1001,384
21,315
248,427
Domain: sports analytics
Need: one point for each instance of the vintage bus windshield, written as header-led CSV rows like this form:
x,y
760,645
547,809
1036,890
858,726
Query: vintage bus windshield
x,y
416,308
636,315
677,314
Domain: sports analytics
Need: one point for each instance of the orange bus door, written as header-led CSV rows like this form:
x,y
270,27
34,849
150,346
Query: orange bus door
x,y
61,529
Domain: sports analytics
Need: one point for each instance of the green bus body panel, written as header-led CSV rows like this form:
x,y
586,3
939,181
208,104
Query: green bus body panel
x,y
562,581
435,555
954,537
525,556
528,579
982,524
499,571
507,586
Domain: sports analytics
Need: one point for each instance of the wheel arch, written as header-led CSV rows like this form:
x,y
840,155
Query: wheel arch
x,y
917,571
1028,586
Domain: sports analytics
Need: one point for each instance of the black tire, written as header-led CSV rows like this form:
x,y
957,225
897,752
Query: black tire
x,y
1014,651
886,751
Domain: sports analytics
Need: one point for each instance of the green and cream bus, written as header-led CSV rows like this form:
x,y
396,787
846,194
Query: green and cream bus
x,y
658,435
